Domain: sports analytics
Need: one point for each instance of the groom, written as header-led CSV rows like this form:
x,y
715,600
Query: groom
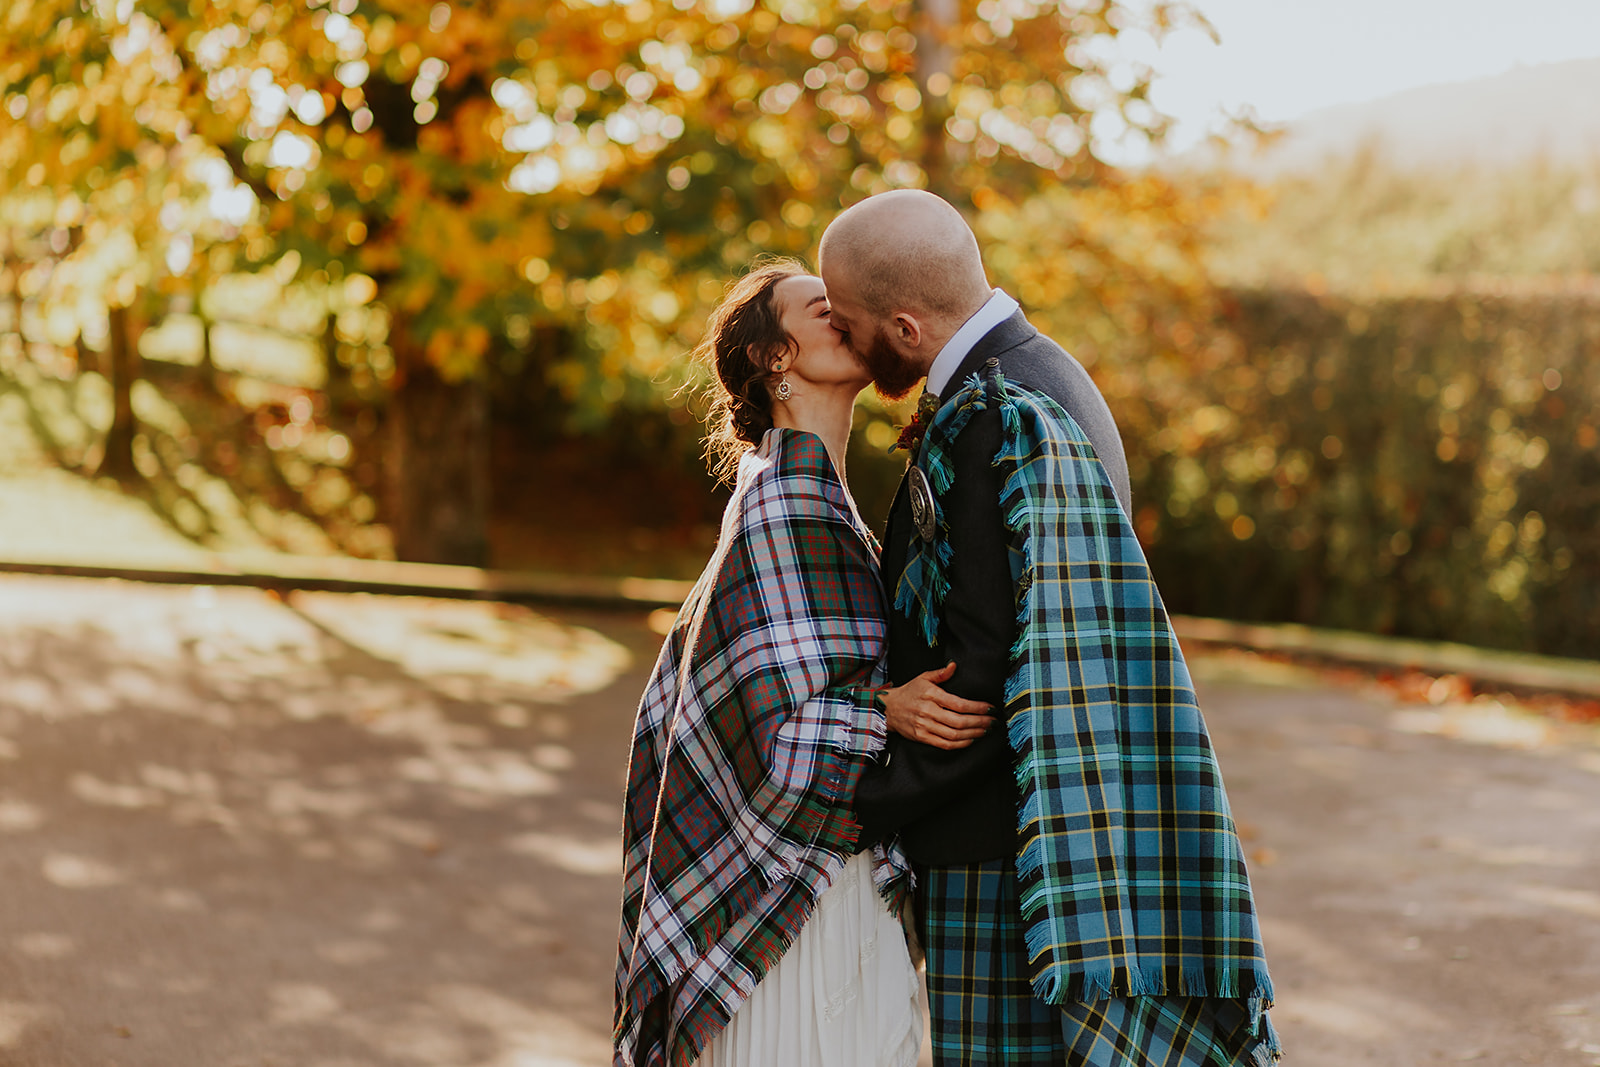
x,y
1081,895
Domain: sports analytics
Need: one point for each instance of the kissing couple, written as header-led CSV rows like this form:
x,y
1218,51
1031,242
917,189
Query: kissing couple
x,y
978,743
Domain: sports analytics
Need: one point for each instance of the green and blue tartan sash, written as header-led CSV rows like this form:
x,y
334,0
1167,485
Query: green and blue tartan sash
x,y
1132,877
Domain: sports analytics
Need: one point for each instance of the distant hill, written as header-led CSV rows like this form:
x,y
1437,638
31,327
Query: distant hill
x,y
1550,111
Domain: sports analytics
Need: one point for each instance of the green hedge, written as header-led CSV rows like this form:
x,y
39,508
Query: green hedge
x,y
1426,466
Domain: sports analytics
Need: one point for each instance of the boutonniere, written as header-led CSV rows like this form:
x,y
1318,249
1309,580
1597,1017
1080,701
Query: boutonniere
x,y
911,436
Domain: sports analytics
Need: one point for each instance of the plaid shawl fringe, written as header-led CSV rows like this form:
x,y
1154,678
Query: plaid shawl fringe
x,y
752,733
1159,910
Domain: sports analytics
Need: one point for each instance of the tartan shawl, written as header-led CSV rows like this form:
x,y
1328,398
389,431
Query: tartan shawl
x,y
751,736
1132,880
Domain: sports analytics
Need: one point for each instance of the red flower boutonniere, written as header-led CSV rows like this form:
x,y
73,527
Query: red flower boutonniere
x,y
911,436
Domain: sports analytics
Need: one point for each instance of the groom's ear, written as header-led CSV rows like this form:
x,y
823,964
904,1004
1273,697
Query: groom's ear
x,y
907,330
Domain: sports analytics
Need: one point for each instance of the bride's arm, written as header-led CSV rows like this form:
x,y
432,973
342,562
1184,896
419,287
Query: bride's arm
x,y
922,711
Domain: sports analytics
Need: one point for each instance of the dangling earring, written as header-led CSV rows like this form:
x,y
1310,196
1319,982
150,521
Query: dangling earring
x,y
783,392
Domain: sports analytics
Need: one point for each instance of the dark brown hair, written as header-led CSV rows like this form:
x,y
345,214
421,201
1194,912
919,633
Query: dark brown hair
x,y
743,339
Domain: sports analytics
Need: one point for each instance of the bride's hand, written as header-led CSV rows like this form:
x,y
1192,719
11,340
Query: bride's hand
x,y
921,711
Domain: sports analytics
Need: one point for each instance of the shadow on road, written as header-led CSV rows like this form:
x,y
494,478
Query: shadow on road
x,y
1427,878
356,831
332,831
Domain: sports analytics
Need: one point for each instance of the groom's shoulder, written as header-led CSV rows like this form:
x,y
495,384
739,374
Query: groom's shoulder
x,y
1032,359
1038,362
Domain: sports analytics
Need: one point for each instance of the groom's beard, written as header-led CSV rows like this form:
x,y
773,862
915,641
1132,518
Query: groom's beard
x,y
892,375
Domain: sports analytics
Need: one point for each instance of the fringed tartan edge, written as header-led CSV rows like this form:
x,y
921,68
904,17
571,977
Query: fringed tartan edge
x,y
895,890
686,1045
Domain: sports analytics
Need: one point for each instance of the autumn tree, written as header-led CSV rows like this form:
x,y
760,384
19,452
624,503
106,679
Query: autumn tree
x,y
105,181
576,181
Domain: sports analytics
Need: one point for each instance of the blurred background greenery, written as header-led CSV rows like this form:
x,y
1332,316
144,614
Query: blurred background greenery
x,y
417,280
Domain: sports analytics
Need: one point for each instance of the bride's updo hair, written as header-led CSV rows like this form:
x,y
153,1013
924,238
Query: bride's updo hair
x,y
743,339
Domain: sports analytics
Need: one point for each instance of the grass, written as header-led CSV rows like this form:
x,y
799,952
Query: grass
x,y
209,479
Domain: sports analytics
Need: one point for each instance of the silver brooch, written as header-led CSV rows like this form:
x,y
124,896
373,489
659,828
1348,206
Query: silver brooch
x,y
923,516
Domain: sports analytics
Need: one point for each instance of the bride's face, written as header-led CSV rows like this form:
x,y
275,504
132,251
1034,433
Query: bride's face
x,y
821,357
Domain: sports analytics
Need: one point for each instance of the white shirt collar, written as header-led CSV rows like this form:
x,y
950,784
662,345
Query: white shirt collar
x,y
997,309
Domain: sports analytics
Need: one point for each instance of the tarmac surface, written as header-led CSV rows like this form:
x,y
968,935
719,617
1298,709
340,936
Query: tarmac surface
x,y
238,830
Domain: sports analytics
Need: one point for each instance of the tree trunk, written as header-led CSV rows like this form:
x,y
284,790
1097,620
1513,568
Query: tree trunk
x,y
935,25
14,299
208,362
123,360
438,463
338,387
333,370
13,296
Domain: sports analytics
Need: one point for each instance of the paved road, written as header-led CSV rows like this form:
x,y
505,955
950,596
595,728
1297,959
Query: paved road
x,y
237,831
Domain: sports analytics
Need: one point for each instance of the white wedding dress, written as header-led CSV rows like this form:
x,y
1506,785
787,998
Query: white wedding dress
x,y
844,995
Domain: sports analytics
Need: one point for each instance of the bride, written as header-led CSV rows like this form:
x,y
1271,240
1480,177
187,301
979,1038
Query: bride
x,y
757,930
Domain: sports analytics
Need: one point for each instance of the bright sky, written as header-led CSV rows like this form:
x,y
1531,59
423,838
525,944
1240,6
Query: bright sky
x,y
1288,57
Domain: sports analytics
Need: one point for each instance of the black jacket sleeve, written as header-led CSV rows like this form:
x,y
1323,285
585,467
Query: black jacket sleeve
x,y
977,631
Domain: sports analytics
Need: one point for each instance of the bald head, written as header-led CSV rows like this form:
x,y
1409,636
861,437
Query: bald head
x,y
905,250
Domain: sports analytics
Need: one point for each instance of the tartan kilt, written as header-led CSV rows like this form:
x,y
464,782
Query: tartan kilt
x,y
984,1011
